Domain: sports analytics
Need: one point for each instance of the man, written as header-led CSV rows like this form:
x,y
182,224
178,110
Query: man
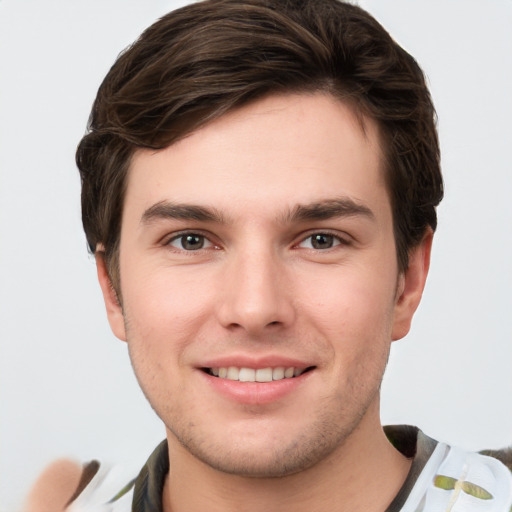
x,y
259,186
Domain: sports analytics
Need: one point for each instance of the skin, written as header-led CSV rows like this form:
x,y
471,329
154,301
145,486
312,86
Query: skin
x,y
54,486
259,287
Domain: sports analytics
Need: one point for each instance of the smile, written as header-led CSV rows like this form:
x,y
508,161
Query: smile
x,y
256,375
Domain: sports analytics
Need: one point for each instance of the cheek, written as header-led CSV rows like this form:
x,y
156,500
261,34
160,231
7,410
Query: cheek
x,y
165,308
350,300
177,291
354,314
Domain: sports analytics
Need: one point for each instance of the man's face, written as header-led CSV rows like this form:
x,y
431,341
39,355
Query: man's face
x,y
259,247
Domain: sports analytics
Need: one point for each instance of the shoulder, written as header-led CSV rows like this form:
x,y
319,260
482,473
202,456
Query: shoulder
x,y
445,477
459,480
504,456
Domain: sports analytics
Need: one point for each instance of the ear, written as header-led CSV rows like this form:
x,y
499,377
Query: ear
x,y
112,305
410,286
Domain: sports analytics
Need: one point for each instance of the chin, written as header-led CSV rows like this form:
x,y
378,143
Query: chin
x,y
257,455
272,464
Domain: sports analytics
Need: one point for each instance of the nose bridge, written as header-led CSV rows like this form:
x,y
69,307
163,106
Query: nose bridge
x,y
255,297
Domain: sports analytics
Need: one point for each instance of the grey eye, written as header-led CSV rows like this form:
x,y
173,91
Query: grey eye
x,y
189,242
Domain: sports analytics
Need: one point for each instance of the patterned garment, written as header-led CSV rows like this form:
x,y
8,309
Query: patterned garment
x,y
441,479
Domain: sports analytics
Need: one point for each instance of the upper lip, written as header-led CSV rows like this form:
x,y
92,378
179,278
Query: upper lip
x,y
255,362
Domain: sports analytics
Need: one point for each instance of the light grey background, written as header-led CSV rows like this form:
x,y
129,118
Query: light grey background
x,y
66,383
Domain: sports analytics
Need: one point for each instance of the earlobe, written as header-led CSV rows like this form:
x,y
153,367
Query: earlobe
x,y
410,286
114,309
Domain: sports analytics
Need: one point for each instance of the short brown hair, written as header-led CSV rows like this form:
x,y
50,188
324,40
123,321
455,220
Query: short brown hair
x,y
205,59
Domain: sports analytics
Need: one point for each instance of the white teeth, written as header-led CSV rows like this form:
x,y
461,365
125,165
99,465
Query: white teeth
x,y
247,375
259,375
278,373
288,373
264,375
233,373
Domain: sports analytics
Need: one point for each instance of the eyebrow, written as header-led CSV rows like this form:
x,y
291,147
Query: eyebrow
x,y
168,210
320,210
328,209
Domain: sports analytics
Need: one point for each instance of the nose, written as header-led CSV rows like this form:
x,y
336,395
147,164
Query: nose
x,y
257,294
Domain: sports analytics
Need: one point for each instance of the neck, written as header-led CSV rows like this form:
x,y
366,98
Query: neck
x,y
362,475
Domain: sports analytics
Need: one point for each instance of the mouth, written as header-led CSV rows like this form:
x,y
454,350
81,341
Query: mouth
x,y
268,374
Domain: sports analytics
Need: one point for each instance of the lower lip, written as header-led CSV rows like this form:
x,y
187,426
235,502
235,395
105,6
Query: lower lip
x,y
256,393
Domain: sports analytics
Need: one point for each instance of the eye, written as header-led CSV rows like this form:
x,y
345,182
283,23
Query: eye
x,y
190,242
321,241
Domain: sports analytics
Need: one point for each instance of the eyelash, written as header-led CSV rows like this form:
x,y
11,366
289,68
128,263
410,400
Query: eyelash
x,y
336,239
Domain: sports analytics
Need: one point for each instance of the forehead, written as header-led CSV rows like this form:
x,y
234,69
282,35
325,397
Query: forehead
x,y
274,153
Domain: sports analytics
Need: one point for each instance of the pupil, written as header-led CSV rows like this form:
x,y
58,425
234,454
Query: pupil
x,y
322,241
192,242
